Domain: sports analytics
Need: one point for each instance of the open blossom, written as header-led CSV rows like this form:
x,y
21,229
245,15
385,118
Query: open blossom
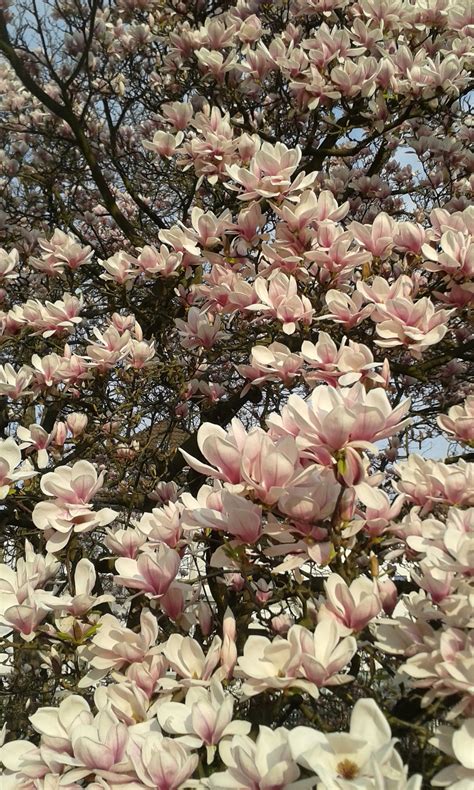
x,y
71,510
426,482
238,517
152,573
50,318
139,353
187,658
204,718
377,238
449,548
272,363
71,737
114,647
346,310
456,257
255,460
13,383
362,758
101,745
323,653
82,601
160,762
124,542
46,370
8,263
162,525
458,745
460,421
111,347
32,571
414,324
335,419
270,172
164,143
381,291
208,229
200,330
11,467
265,763
301,660
24,617
161,262
120,268
341,366
279,299
379,511
444,669
221,448
352,607
62,249
35,438
312,208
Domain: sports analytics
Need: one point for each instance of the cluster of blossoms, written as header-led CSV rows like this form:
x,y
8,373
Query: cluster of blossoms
x,y
127,743
220,328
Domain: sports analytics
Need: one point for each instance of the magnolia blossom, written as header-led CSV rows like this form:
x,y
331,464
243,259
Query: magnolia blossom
x,y
446,670
414,324
449,547
113,646
23,617
336,419
270,173
426,482
272,363
204,718
341,366
379,511
82,601
351,606
460,421
456,257
15,383
160,762
70,511
186,656
152,572
111,347
11,467
363,758
164,143
36,438
8,263
346,310
162,525
458,745
378,237
279,299
161,262
302,660
200,330
267,466
121,268
265,763
77,423
62,249
238,517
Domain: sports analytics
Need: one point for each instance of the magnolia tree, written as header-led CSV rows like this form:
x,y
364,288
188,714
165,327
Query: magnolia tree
x,y
235,394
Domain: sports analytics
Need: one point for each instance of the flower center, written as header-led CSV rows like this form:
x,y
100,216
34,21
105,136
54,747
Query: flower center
x,y
347,769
